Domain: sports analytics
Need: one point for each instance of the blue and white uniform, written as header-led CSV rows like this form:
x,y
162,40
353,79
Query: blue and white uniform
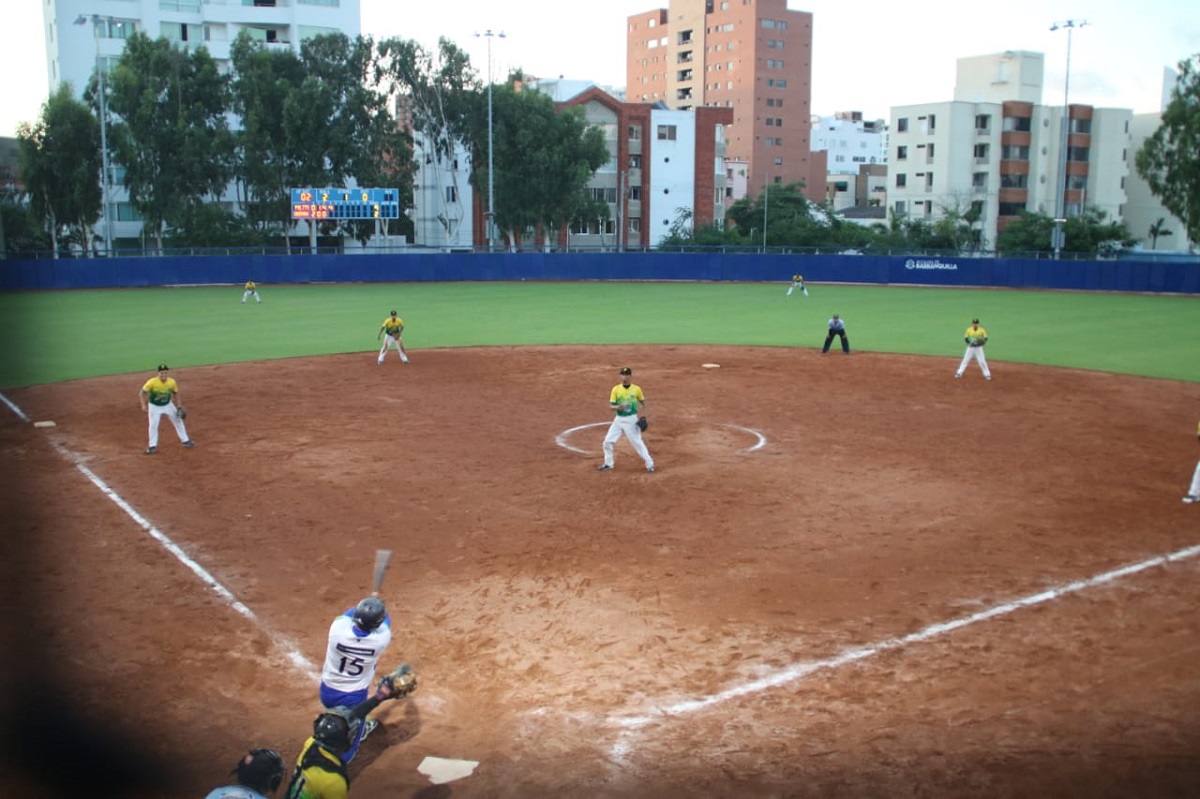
x,y
351,658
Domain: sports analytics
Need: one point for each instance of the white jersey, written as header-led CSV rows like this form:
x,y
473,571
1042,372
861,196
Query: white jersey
x,y
351,656
234,792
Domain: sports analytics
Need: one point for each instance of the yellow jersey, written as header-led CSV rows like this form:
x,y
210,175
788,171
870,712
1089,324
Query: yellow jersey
x,y
797,278
160,391
319,774
393,325
250,285
977,333
626,398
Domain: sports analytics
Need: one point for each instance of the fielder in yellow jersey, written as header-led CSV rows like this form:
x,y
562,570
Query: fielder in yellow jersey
x,y
393,326
1193,494
976,337
158,397
251,291
797,283
629,403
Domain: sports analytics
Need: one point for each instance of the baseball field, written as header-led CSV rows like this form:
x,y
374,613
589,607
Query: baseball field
x,y
849,575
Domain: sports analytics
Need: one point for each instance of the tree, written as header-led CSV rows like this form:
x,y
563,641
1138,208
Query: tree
x,y
171,135
1159,228
1170,159
1086,234
60,163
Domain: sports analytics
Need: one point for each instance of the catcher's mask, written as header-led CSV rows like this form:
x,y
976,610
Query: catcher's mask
x,y
369,614
261,770
332,731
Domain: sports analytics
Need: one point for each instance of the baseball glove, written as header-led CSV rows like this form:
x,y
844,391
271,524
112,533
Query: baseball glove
x,y
642,423
401,681
181,413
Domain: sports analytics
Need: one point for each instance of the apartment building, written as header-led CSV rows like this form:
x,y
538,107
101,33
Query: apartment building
x,y
996,149
751,56
849,141
81,35
661,161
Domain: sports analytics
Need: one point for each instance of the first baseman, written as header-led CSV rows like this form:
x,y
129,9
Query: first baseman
x,y
159,396
394,327
976,337
629,403
1193,494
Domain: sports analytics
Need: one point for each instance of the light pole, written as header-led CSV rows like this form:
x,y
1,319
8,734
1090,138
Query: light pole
x,y
83,19
1058,239
491,212
766,200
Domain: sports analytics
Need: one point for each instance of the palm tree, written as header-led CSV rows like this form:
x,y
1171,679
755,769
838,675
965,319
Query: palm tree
x,y
1159,228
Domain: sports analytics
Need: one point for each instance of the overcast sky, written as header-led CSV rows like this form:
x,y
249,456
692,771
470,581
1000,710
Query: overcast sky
x,y
868,55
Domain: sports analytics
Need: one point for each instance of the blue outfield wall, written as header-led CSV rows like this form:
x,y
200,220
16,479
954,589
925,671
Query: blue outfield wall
x,y
1123,275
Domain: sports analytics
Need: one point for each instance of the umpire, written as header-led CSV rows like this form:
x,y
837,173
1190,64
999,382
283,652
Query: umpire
x,y
837,327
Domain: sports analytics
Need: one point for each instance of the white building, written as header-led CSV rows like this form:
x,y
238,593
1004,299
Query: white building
x,y
994,148
442,197
81,34
850,141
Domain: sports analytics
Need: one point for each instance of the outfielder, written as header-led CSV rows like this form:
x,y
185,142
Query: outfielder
x,y
797,283
251,291
1193,494
357,639
394,327
158,397
976,337
629,403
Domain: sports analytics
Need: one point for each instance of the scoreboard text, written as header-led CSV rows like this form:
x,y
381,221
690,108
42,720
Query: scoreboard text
x,y
345,203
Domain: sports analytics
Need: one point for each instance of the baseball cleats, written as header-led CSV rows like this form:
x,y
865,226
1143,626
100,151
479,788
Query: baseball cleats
x,y
1191,499
368,728
189,443
650,468
604,467
151,450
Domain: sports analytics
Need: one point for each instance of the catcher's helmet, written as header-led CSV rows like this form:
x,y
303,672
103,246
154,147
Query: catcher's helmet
x,y
332,731
260,770
369,614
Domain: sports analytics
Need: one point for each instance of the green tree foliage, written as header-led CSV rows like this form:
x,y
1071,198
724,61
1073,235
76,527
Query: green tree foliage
x,y
1157,231
1087,234
171,134
60,163
1170,159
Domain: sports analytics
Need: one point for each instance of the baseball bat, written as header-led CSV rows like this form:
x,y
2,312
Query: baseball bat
x,y
382,558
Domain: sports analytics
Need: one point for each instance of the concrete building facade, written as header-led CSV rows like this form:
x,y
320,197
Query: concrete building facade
x,y
849,141
751,56
996,149
81,35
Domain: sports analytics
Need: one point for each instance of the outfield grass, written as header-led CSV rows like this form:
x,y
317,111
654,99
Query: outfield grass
x,y
64,335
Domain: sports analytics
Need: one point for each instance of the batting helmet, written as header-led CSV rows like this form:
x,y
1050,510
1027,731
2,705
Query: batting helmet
x,y
261,770
369,613
332,731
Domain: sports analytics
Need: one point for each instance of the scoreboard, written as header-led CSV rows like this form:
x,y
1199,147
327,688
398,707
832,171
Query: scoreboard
x,y
345,203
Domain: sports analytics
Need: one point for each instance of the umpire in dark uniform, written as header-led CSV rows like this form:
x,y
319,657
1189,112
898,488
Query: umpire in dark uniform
x,y
837,327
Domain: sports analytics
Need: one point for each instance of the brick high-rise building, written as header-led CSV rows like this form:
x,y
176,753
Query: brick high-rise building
x,y
753,56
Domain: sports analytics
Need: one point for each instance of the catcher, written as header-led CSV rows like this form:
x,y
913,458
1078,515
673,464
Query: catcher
x,y
393,326
976,338
320,772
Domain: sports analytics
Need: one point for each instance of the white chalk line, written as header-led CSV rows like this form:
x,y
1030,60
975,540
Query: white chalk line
x,y
800,670
561,438
289,649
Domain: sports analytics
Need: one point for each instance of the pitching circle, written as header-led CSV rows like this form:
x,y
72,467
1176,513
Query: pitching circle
x,y
760,441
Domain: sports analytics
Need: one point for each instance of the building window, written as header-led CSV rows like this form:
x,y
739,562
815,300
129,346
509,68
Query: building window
x,y
902,152
901,180
635,224
902,125
635,161
778,161
1077,154
1011,209
901,208
451,194
1018,124
1014,181
981,153
635,132
1014,152
666,133
769,24
635,193
979,181
983,123
770,122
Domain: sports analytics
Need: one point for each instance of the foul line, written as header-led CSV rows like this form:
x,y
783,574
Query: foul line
x,y
289,649
800,670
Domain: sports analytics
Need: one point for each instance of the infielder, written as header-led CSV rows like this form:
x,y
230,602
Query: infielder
x,y
976,337
251,291
393,326
357,639
1193,494
797,283
159,397
629,403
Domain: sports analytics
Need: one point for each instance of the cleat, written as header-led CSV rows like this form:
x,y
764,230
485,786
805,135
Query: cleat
x,y
189,443
151,450
1191,498
650,469
368,728
604,467
956,377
